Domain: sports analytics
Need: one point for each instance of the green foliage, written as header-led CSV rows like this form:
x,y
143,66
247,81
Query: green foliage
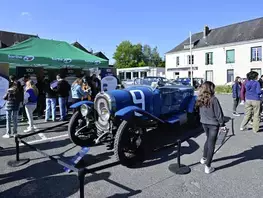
x,y
223,89
128,55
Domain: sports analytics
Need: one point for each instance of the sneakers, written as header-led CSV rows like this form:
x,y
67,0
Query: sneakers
x,y
209,170
29,130
236,114
203,160
6,136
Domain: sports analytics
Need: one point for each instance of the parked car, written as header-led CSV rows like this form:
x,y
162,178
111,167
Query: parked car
x,y
122,117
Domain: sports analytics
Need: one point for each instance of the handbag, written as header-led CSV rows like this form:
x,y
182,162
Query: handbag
x,y
221,136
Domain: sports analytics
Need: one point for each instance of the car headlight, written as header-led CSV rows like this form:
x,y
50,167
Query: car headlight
x,y
105,114
84,110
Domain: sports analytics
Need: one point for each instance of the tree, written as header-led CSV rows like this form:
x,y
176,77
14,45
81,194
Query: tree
x,y
156,59
147,54
129,55
124,55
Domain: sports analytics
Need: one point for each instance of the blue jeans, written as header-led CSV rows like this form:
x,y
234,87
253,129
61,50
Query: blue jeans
x,y
51,107
11,116
62,107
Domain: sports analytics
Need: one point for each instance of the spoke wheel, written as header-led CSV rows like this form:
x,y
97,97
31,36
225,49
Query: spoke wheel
x,y
128,147
78,133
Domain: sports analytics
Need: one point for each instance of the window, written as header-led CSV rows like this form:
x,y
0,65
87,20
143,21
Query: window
x,y
209,58
128,75
176,75
230,75
258,70
121,75
230,56
189,74
143,74
256,54
177,61
135,74
209,75
189,59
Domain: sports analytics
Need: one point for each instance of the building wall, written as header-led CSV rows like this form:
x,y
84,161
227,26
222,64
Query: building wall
x,y
241,66
151,71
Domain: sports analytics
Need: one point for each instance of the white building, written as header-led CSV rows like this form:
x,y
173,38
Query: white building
x,y
138,72
219,54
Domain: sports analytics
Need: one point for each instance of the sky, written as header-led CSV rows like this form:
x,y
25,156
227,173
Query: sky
x,y
104,24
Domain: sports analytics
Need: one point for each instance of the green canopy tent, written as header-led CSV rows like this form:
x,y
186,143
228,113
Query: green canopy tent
x,y
49,53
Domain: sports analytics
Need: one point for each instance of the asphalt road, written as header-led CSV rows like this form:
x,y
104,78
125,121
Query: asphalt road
x,y
238,162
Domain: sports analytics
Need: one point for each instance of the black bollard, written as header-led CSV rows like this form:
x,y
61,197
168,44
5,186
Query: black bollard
x,y
81,177
232,127
18,162
179,168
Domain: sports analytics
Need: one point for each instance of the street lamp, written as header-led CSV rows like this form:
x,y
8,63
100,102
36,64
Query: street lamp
x,y
191,59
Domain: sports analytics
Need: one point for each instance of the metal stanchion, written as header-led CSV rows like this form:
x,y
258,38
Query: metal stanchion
x,y
232,127
81,177
179,168
17,162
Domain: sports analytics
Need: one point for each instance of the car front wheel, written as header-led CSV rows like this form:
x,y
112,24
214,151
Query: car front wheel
x,y
78,131
128,147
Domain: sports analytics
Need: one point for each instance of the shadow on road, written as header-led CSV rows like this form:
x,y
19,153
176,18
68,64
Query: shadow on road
x,y
252,154
44,182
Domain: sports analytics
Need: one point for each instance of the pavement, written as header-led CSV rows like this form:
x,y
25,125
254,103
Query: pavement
x,y
238,165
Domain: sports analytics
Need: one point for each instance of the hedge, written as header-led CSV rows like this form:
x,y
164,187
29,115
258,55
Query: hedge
x,y
223,89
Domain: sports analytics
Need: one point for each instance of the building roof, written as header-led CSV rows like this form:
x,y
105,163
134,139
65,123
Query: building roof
x,y
101,55
78,45
238,32
8,39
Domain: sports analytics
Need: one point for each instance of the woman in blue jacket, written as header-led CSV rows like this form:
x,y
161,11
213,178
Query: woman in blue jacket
x,y
77,92
236,90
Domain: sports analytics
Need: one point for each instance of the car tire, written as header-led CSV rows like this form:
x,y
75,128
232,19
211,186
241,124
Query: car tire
x,y
72,128
130,161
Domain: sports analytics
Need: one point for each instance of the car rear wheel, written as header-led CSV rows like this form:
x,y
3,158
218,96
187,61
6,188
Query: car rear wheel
x,y
128,147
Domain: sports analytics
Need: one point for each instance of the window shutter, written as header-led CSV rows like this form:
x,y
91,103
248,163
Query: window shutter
x,y
211,58
206,59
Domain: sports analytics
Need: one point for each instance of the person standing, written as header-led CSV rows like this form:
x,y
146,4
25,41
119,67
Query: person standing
x,y
41,97
11,107
95,86
253,101
212,119
63,89
30,101
261,86
25,79
12,80
77,92
236,90
243,90
51,101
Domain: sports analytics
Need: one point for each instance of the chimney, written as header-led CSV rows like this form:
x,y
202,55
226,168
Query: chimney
x,y
206,31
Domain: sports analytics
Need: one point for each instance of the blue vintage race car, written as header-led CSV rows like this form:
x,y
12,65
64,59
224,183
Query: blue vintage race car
x,y
122,117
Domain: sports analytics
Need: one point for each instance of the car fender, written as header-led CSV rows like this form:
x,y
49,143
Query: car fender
x,y
78,104
128,112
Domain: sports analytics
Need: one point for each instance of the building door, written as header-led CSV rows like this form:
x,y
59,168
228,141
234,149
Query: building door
x,y
230,75
258,70
209,76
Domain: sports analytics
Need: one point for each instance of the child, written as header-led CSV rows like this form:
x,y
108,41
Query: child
x,y
12,107
212,119
236,89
